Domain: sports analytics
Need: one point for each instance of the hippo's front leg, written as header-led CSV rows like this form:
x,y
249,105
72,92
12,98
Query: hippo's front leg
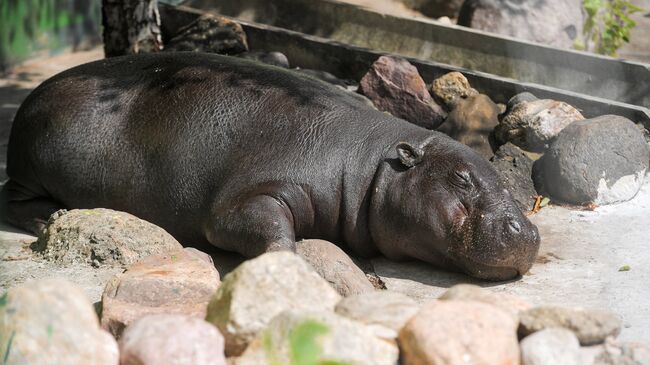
x,y
257,225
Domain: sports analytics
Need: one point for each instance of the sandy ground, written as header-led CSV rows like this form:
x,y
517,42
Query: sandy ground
x,y
579,261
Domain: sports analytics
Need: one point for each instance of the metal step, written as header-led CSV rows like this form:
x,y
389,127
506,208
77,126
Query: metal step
x,y
426,39
350,62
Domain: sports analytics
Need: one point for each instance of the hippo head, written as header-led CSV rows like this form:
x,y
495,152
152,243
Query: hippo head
x,y
442,203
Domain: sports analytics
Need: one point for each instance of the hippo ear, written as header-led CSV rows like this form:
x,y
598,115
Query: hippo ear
x,y
408,154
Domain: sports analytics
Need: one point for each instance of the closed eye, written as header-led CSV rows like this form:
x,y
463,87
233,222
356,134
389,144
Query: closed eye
x,y
463,179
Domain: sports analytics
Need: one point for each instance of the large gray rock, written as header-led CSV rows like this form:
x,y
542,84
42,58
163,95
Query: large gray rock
x,y
552,22
590,326
52,322
459,332
533,125
261,288
335,266
178,282
515,170
471,122
101,237
326,338
210,33
395,86
171,339
384,311
552,346
601,160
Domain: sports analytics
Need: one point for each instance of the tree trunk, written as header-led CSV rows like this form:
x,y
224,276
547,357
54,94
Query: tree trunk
x,y
130,27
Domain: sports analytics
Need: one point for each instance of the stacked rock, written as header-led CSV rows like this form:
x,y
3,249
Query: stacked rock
x,y
276,309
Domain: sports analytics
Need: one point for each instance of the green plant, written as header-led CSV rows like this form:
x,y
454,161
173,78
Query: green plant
x,y
607,25
304,346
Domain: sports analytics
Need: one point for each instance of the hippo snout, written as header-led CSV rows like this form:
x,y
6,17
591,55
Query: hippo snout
x,y
502,247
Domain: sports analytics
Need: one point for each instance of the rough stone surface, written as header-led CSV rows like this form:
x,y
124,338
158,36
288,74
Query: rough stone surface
x,y
270,58
552,346
52,322
180,282
533,125
340,339
450,88
171,339
460,332
471,122
384,311
516,169
395,86
520,98
601,160
101,237
556,23
507,302
261,288
210,33
623,353
335,266
590,326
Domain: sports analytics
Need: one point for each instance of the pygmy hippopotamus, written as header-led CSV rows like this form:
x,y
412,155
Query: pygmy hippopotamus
x,y
251,158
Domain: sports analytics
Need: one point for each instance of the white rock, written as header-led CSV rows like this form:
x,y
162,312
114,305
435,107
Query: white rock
x,y
552,346
261,288
334,338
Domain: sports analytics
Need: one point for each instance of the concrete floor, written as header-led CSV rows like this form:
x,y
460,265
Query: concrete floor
x,y
579,261
578,265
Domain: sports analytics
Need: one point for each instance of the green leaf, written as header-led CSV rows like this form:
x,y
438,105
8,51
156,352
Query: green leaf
x,y
303,342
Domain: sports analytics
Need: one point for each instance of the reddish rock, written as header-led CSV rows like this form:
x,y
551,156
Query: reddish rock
x,y
171,339
335,266
460,332
179,282
394,86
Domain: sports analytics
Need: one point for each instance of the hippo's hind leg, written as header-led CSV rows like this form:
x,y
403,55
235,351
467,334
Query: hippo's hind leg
x,y
258,225
23,209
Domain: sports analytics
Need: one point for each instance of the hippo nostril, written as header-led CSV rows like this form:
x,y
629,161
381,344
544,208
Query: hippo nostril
x,y
514,226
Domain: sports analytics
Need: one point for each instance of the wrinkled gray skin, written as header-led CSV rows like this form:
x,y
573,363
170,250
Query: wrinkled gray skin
x,y
252,158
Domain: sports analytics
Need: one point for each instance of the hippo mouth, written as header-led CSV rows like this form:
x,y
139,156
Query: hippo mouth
x,y
491,272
